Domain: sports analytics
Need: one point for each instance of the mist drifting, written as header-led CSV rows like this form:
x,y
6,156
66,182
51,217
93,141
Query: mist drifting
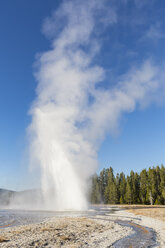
x,y
72,111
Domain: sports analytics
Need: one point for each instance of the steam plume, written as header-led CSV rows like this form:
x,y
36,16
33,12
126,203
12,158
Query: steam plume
x,y
72,111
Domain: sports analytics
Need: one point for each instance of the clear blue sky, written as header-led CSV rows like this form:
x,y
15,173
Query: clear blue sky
x,y
138,34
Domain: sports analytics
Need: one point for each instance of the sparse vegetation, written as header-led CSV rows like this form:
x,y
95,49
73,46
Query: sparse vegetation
x,y
3,239
157,212
65,231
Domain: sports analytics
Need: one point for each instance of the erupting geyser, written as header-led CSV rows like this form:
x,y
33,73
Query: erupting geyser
x,y
71,114
60,140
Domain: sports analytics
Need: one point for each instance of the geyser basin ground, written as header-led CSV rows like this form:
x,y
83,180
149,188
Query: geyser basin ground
x,y
99,227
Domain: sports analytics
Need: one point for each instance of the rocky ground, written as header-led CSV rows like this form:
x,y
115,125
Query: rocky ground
x,y
64,232
152,219
75,232
156,222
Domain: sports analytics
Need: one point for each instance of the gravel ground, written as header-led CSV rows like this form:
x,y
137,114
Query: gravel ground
x,y
75,232
157,225
64,232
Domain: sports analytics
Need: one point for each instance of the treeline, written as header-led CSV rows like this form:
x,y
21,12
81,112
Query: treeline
x,y
146,187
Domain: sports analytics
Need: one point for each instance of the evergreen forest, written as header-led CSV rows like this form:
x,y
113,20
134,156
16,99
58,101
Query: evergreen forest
x,y
146,187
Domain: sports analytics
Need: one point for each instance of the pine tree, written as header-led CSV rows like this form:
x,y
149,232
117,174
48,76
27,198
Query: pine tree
x,y
136,188
128,195
158,187
152,185
111,189
162,184
95,194
122,188
103,179
117,185
144,197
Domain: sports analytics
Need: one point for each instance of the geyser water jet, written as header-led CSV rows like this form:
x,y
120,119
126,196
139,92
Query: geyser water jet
x,y
71,114
59,139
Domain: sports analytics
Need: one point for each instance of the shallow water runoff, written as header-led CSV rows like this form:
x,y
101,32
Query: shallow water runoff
x,y
142,237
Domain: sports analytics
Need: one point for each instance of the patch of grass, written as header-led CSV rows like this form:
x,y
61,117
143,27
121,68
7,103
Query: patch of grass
x,y
139,206
48,229
22,230
65,238
153,212
3,239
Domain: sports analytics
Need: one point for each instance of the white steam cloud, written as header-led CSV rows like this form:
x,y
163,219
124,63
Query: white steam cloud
x,y
72,111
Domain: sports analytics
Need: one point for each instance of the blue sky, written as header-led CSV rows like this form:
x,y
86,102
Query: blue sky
x,y
137,34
